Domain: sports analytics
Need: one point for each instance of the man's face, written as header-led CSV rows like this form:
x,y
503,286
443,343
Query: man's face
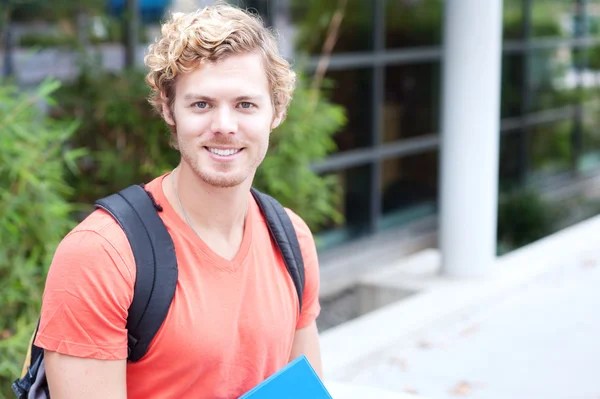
x,y
223,116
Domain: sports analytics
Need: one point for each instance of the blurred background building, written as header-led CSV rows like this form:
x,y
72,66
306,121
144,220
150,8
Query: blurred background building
x,y
386,70
456,130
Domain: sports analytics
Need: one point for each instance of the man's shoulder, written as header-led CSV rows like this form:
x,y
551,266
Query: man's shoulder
x,y
94,244
99,223
302,229
97,236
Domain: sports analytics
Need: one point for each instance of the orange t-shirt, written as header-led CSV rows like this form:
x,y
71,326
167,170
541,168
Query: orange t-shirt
x,y
231,323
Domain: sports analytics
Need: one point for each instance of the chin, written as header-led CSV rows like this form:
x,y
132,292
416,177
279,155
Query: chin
x,y
221,180
228,177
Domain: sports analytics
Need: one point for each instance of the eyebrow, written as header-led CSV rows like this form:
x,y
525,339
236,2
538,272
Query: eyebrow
x,y
200,97
248,98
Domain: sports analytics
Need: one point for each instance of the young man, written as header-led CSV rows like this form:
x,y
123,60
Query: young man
x,y
221,86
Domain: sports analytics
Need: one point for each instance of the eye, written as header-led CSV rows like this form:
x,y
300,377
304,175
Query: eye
x,y
200,105
246,105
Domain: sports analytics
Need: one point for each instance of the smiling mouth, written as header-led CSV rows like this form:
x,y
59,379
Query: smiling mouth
x,y
224,152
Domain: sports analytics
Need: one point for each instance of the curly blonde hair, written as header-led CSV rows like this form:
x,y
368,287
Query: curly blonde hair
x,y
209,35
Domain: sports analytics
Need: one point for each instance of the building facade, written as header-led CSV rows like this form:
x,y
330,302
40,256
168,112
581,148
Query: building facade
x,y
387,71
399,66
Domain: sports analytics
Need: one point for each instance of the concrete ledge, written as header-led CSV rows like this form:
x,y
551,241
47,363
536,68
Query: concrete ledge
x,y
343,267
441,299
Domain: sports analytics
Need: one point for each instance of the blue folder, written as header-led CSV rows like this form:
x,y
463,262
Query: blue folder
x,y
297,380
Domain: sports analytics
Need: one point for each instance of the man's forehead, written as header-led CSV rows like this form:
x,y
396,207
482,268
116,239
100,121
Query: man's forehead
x,y
236,76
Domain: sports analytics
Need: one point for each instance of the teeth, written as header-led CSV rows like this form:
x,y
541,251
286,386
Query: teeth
x,y
223,153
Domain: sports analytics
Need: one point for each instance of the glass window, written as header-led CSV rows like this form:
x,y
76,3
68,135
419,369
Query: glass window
x,y
512,151
355,185
590,78
592,61
413,23
553,78
512,19
589,59
553,18
412,100
353,90
409,188
593,17
265,8
590,157
311,20
512,85
550,149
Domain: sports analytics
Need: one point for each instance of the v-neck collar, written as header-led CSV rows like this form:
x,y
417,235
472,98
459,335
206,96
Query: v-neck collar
x,y
190,235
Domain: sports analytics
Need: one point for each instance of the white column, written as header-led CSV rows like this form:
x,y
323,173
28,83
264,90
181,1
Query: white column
x,y
470,136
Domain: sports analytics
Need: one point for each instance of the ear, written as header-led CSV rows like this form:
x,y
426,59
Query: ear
x,y
277,120
166,111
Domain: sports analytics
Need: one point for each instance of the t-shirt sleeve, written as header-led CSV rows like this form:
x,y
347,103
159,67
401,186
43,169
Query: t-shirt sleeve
x,y
88,292
311,306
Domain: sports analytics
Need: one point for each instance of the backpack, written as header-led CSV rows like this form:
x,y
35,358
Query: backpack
x,y
156,273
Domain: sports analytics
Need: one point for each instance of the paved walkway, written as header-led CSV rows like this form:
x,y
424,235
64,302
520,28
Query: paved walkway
x,y
540,342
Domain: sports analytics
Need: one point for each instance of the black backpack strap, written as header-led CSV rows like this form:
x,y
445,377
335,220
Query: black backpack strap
x,y
156,264
283,232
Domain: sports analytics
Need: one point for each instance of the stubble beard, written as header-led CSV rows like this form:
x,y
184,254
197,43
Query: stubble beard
x,y
214,178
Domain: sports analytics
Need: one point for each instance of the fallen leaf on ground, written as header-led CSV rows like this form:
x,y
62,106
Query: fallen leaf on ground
x,y
411,390
470,330
424,344
589,263
396,361
462,388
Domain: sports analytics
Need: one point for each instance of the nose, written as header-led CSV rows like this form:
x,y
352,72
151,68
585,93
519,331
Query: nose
x,y
224,121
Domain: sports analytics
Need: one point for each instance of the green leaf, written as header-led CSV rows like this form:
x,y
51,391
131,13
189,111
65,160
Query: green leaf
x,y
35,213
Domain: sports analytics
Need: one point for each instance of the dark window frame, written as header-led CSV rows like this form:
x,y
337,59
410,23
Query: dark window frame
x,y
381,57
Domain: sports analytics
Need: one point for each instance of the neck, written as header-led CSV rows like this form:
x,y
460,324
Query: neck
x,y
220,211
